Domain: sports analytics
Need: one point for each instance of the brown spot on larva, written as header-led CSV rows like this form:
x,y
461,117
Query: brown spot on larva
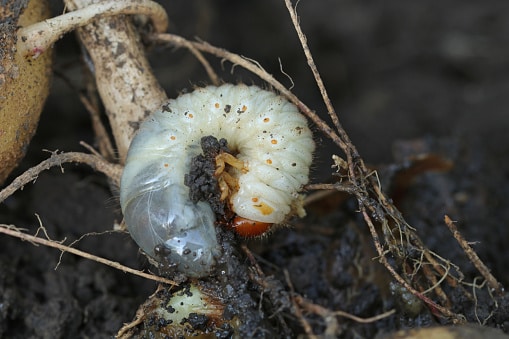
x,y
173,137
273,141
216,105
266,119
242,109
191,116
254,199
166,165
268,161
264,208
166,108
134,125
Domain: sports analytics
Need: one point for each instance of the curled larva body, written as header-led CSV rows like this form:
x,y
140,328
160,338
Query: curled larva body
x,y
264,130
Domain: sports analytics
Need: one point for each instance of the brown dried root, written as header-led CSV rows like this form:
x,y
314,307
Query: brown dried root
x,y
112,171
90,101
375,207
474,258
14,232
329,316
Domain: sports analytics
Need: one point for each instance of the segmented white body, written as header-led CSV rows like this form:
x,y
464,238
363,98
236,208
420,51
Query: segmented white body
x,y
264,130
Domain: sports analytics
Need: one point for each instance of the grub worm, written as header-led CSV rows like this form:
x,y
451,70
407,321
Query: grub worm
x,y
273,149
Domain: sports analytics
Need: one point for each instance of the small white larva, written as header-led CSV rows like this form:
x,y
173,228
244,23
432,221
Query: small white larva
x,y
263,130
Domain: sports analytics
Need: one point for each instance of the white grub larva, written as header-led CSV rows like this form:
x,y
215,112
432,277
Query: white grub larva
x,y
268,137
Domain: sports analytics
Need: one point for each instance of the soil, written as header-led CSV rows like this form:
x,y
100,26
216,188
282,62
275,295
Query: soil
x,y
410,81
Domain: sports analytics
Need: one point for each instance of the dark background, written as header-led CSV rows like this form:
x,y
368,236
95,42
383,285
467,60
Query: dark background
x,y
397,70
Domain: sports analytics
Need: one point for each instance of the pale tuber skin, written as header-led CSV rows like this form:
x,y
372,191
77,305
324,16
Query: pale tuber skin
x,y
24,83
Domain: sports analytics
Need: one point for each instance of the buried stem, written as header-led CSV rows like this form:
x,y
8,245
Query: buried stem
x,y
37,38
125,81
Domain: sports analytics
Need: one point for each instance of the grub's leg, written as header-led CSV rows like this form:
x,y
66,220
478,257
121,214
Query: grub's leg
x,y
223,187
227,183
226,158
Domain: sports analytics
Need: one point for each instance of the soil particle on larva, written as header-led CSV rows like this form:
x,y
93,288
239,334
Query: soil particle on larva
x,y
202,182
